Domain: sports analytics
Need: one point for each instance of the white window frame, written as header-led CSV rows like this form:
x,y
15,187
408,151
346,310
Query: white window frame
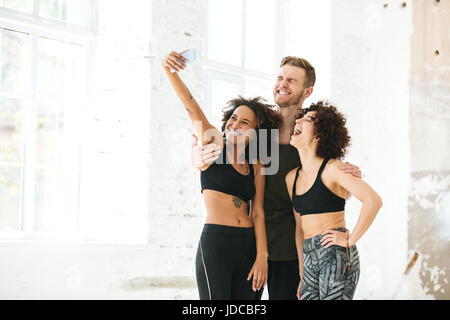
x,y
36,26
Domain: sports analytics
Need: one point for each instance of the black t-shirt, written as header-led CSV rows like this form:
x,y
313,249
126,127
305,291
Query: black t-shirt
x,y
280,221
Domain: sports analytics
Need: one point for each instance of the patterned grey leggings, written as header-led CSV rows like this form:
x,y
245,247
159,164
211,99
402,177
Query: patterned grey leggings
x,y
324,274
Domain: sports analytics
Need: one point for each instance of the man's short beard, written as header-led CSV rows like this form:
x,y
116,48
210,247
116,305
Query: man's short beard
x,y
292,102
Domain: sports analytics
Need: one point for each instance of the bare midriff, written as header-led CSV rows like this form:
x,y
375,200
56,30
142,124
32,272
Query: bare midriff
x,y
315,224
225,209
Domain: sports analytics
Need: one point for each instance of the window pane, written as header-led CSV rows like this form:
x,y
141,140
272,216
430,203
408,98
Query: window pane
x,y
22,5
57,173
48,206
64,10
10,189
59,93
49,134
314,46
60,69
48,184
49,8
73,11
13,61
255,89
57,176
225,31
260,35
11,132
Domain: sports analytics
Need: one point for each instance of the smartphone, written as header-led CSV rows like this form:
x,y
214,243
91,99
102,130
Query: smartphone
x,y
189,55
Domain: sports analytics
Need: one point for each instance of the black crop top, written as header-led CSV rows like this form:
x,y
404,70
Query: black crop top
x,y
221,176
318,199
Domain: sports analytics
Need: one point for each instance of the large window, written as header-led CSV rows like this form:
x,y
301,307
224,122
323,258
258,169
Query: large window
x,y
248,38
242,51
44,48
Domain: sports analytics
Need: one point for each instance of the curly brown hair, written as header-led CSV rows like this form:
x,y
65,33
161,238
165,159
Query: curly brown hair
x,y
265,114
330,128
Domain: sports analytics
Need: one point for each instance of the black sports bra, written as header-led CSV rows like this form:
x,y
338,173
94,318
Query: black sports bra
x,y
318,199
221,176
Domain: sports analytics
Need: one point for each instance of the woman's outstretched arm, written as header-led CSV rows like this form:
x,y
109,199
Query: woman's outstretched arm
x,y
202,127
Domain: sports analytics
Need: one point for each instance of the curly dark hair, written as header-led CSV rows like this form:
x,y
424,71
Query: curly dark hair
x,y
265,114
330,128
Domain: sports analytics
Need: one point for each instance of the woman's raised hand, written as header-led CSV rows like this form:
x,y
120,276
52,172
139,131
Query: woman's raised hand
x,y
175,61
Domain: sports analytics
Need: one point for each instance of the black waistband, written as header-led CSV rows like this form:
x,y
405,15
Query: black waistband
x,y
228,230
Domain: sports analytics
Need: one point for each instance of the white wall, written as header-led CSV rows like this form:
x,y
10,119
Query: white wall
x,y
365,72
429,127
370,55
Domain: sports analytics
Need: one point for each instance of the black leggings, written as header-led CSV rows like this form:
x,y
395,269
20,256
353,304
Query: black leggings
x,y
283,280
225,256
